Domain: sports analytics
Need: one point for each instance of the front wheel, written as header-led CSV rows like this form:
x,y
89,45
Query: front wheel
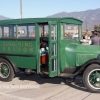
x,y
6,71
91,78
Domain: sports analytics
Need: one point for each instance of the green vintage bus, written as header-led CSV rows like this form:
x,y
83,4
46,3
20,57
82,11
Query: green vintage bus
x,y
48,46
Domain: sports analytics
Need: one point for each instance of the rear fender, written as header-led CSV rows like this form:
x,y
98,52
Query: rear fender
x,y
12,64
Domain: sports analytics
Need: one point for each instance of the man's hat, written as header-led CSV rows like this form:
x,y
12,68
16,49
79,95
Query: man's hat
x,y
95,32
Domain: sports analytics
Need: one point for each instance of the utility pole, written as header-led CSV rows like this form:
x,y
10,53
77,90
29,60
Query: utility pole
x,y
21,9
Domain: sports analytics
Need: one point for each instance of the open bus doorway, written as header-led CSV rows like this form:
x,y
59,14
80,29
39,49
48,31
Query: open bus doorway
x,y
48,48
44,47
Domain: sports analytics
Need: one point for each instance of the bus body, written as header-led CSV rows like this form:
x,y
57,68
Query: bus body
x,y
50,46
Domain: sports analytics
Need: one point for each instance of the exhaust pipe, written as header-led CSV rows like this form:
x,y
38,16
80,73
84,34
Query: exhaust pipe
x,y
29,71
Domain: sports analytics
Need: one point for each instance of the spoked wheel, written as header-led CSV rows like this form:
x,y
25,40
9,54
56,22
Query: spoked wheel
x,y
91,78
6,71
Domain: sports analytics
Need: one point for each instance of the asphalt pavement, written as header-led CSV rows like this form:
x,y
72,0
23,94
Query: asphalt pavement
x,y
34,87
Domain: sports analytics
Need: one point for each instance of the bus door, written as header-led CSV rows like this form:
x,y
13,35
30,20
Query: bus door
x,y
53,58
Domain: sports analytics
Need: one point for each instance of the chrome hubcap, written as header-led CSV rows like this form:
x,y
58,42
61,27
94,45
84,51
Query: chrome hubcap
x,y
94,78
4,70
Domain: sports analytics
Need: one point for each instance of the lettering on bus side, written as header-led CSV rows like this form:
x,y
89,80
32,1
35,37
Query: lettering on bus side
x,y
20,46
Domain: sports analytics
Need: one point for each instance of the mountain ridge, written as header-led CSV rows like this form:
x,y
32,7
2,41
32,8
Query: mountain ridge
x,y
89,17
3,17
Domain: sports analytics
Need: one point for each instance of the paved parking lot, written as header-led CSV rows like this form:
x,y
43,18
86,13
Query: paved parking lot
x,y
34,87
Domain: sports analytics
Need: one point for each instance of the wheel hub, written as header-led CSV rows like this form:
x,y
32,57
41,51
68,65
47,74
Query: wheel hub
x,y
4,70
98,79
94,78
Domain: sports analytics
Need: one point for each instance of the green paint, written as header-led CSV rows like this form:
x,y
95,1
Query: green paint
x,y
69,52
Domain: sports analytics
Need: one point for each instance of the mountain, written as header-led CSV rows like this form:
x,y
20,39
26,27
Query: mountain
x,y
89,17
2,17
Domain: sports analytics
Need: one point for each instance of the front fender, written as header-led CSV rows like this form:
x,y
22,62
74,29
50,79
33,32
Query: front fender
x,y
86,64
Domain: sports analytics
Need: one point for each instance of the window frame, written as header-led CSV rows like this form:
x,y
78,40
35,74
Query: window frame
x,y
12,31
27,30
63,28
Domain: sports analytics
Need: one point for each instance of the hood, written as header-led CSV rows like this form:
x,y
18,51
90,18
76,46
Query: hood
x,y
77,54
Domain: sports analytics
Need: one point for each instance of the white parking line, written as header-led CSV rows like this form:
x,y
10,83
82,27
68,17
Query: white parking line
x,y
15,97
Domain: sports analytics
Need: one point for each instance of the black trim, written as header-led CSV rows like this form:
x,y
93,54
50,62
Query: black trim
x,y
26,55
18,38
26,38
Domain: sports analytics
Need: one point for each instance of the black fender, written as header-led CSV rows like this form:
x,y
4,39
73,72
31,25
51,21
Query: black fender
x,y
12,64
86,64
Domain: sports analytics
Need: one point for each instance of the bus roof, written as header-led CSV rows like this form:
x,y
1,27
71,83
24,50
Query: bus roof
x,y
40,20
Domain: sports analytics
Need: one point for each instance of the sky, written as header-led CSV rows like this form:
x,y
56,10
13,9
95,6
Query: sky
x,y
43,8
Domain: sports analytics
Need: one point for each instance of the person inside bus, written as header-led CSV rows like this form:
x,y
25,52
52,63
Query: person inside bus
x,y
43,43
44,50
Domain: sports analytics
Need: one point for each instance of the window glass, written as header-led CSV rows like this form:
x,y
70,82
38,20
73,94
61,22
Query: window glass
x,y
62,31
31,31
6,31
0,32
43,31
11,31
54,32
15,32
22,31
46,34
71,31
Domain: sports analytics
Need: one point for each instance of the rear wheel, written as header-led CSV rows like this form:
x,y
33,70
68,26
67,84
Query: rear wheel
x,y
6,71
91,78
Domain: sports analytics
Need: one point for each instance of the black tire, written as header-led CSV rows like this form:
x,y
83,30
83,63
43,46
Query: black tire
x,y
6,71
91,78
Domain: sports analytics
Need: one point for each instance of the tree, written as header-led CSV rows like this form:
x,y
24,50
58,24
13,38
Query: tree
x,y
95,27
99,28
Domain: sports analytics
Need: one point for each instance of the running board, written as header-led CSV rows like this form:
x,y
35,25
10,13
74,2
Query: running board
x,y
68,75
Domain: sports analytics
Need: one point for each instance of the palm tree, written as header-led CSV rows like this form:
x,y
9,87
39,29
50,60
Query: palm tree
x,y
95,27
99,28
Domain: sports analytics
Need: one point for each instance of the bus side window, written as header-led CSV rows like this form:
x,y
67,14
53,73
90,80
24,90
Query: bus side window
x,y
6,31
70,31
22,31
31,30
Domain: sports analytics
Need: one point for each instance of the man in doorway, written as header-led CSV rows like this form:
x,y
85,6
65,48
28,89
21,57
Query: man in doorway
x,y
95,40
